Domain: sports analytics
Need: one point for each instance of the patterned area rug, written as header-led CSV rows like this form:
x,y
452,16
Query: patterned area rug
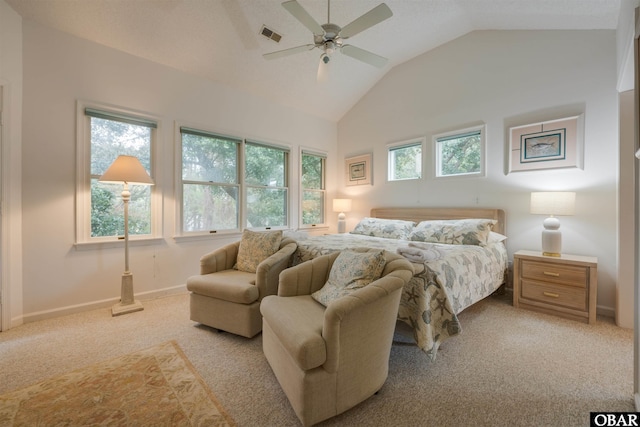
x,y
157,386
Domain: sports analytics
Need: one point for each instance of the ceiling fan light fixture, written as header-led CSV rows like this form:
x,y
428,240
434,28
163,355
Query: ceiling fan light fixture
x,y
325,58
329,47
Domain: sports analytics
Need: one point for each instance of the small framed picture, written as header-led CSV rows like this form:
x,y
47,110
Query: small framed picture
x,y
358,170
543,146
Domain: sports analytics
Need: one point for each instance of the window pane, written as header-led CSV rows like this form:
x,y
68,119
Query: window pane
x,y
266,207
209,159
265,165
313,194
460,155
312,207
109,139
312,172
405,162
209,207
107,209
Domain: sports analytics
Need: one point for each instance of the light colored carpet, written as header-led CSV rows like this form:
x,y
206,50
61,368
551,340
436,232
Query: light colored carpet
x,y
157,386
509,367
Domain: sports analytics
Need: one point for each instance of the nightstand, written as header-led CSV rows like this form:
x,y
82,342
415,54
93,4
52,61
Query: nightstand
x,y
566,286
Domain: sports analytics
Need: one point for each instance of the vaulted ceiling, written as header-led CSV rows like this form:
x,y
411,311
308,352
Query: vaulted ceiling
x,y
221,39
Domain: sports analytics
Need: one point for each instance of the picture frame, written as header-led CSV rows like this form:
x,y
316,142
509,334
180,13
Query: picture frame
x,y
553,144
358,170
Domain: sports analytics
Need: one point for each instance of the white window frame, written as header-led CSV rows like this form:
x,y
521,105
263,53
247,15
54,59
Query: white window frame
x,y
287,181
437,170
83,179
323,155
182,235
179,185
422,142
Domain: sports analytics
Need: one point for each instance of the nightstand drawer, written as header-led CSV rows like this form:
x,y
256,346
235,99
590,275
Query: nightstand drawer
x,y
566,296
550,273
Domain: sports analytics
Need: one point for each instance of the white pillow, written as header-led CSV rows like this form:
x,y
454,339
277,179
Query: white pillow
x,y
496,237
350,271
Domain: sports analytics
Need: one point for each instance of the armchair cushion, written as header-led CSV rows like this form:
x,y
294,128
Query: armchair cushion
x,y
350,271
228,285
304,342
255,247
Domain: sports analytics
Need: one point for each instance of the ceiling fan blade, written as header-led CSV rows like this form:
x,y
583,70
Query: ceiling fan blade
x,y
364,56
287,52
298,12
369,19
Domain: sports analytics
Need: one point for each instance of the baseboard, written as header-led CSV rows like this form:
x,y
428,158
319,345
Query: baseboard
x,y
107,303
605,311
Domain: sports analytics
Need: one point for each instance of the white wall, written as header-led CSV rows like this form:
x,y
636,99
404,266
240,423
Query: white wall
x,y
10,166
625,36
60,69
626,218
504,79
624,44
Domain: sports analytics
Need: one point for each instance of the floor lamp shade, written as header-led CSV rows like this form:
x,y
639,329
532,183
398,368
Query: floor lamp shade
x,y
126,170
342,206
552,203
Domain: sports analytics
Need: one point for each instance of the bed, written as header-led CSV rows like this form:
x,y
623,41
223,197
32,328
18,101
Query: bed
x,y
448,277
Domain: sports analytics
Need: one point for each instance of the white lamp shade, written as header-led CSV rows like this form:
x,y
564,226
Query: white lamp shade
x,y
553,203
126,169
342,205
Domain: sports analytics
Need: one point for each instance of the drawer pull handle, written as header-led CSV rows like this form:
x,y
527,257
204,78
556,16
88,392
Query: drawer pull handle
x,y
550,294
550,273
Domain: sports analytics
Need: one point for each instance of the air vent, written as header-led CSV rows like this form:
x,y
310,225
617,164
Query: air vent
x,y
270,34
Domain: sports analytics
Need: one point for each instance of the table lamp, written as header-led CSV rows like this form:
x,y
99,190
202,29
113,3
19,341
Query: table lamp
x,y
552,203
342,206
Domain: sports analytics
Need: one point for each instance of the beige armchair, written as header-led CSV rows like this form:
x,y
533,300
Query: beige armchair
x,y
329,359
228,299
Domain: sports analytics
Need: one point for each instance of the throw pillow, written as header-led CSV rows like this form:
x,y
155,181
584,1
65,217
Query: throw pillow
x,y
454,232
387,228
350,271
255,247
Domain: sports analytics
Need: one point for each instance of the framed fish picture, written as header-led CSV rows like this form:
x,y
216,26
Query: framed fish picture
x,y
547,145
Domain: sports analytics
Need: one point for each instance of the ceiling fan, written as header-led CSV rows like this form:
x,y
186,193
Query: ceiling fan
x,y
330,37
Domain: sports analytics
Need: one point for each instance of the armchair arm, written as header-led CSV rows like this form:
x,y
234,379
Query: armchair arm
x,y
223,258
306,278
268,271
363,322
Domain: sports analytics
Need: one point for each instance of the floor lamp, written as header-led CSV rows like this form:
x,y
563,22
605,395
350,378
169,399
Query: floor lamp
x,y
126,170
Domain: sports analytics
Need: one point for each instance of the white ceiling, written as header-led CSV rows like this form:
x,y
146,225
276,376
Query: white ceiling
x,y
220,40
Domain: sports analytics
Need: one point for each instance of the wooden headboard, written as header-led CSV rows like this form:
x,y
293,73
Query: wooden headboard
x,y
426,214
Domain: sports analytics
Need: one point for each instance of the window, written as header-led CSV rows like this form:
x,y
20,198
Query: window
x,y
210,181
108,134
221,192
405,160
460,153
312,184
266,177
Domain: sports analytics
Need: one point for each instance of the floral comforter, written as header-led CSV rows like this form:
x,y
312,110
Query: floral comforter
x,y
439,290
